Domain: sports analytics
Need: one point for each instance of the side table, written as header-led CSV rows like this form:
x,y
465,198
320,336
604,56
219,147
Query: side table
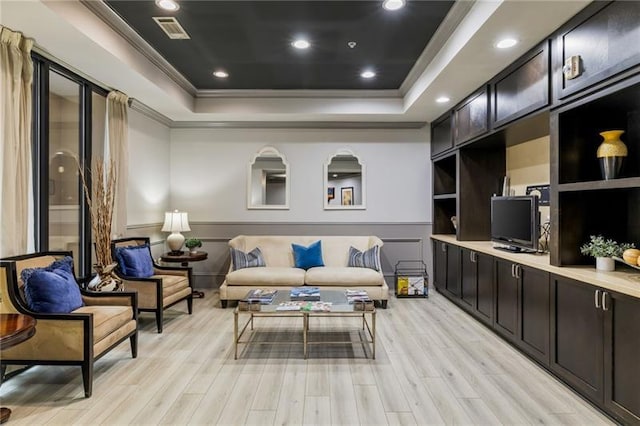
x,y
183,259
14,329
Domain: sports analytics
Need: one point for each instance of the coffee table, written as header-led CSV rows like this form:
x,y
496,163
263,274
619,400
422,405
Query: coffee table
x,y
340,308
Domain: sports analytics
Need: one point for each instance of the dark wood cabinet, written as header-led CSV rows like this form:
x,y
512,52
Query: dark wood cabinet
x,y
523,87
621,357
522,307
446,261
441,135
534,316
606,39
472,117
476,280
506,299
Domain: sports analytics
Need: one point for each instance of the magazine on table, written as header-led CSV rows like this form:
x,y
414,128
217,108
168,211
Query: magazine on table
x,y
305,293
357,296
260,295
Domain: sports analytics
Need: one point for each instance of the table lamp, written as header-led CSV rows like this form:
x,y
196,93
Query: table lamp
x,y
175,222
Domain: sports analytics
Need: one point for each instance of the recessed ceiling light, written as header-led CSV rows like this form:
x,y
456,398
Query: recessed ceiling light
x,y
367,74
442,100
220,74
301,44
352,44
506,43
393,4
168,5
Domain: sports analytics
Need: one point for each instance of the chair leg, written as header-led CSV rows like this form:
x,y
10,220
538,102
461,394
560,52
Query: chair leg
x,y
134,345
384,304
223,304
87,377
159,320
190,303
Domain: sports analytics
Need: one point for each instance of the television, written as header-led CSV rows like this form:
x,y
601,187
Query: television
x,y
515,223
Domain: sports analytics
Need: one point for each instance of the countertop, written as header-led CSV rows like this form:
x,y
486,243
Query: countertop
x,y
623,280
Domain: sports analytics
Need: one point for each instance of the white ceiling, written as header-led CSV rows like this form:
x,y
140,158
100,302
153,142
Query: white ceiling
x,y
457,65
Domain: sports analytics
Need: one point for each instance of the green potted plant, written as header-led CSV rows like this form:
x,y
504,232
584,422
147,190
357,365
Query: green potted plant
x,y
192,244
604,251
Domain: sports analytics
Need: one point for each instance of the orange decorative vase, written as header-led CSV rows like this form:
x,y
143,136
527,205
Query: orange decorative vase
x,y
611,154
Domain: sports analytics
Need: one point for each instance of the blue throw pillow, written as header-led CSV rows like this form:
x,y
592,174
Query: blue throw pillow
x,y
242,260
365,259
52,290
308,257
135,261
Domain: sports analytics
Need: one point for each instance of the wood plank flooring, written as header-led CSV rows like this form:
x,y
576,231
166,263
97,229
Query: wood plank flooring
x,y
434,365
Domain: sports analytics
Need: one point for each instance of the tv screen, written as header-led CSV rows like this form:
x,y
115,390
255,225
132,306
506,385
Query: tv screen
x,y
515,222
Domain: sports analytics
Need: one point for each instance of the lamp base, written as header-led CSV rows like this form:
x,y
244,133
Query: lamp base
x,y
175,242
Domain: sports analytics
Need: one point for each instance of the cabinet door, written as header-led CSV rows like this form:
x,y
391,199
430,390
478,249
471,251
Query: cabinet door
x,y
484,308
439,264
472,117
453,271
469,278
577,333
622,352
607,41
506,300
441,138
523,87
533,336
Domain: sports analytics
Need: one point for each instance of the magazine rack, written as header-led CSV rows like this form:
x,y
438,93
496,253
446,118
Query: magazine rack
x,y
411,279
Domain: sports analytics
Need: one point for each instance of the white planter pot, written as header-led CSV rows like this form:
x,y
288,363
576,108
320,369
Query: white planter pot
x,y
606,264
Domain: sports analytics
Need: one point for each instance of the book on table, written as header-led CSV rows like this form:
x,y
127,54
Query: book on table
x,y
260,295
308,294
357,296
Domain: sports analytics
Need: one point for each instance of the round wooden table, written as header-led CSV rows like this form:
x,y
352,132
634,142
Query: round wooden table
x,y
14,329
183,259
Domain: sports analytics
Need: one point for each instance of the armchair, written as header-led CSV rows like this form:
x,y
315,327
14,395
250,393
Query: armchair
x,y
76,338
166,287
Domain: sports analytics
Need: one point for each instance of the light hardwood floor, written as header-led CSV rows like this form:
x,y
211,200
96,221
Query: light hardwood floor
x,y
434,365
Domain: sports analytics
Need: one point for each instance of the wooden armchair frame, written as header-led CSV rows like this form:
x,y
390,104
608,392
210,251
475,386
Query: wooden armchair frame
x,y
63,339
150,289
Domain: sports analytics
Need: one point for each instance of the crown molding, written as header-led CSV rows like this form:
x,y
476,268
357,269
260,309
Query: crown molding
x,y
297,125
306,94
151,113
456,14
117,24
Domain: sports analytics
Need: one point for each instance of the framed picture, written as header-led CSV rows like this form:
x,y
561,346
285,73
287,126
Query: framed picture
x,y
331,193
347,196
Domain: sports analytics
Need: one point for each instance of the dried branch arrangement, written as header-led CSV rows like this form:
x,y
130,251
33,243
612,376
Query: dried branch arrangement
x,y
100,200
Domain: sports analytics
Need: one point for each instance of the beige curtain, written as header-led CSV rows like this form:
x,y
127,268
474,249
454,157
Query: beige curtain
x,y
16,76
118,150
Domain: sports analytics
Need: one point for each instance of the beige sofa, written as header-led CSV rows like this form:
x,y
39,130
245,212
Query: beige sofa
x,y
280,271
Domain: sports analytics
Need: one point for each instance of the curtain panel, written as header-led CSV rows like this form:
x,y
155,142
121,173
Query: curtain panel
x,y
16,78
118,147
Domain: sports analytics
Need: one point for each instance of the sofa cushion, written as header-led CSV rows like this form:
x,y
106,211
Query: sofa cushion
x,y
343,277
267,277
365,259
106,319
308,257
52,289
242,260
135,261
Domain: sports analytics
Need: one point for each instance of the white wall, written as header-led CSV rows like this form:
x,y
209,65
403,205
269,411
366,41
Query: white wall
x,y
209,173
148,187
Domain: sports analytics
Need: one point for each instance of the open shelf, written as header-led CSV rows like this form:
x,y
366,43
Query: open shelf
x,y
444,176
445,196
633,182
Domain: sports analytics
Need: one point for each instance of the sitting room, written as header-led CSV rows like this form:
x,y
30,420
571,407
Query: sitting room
x,y
319,212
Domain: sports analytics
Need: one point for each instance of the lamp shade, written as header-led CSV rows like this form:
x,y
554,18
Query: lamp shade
x,y
176,221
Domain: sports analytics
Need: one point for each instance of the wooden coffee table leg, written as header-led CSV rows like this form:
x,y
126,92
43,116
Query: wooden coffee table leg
x,y
5,413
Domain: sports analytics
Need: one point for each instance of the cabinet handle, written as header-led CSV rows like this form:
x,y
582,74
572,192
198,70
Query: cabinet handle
x,y
472,256
513,270
597,298
517,271
604,301
444,247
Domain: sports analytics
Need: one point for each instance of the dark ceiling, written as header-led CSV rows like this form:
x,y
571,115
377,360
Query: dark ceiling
x,y
251,40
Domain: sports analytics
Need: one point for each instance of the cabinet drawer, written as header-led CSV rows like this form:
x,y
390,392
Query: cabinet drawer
x,y
607,40
523,87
